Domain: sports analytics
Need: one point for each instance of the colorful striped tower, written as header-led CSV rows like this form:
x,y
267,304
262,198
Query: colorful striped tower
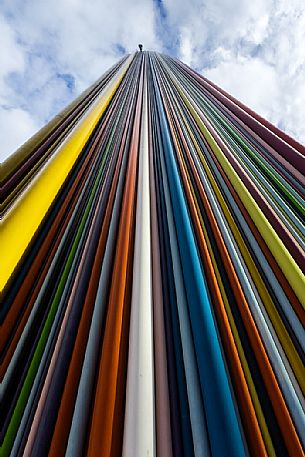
x,y
152,275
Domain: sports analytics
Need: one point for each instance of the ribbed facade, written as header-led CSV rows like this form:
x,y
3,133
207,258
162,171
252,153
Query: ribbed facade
x,y
152,275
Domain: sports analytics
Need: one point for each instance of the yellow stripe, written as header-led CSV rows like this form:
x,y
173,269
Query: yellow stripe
x,y
253,393
32,144
285,261
14,160
281,331
255,400
24,218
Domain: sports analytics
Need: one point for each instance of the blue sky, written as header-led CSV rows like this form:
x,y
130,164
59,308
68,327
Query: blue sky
x,y
52,51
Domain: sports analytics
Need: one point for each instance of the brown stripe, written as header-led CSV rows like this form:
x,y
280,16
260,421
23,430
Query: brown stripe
x,y
108,419
250,423
39,268
163,425
64,418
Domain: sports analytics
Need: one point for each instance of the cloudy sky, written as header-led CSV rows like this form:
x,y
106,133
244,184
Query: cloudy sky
x,y
51,51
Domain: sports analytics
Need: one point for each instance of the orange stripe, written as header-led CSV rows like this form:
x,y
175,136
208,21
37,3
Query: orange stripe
x,y
108,418
245,402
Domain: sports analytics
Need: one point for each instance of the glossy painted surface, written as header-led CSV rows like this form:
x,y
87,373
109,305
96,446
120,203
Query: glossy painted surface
x,y
152,279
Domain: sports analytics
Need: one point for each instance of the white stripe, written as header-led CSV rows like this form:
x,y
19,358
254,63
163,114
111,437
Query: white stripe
x,y
139,430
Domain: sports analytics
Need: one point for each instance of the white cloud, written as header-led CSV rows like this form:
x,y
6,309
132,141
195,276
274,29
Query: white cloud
x,y
17,126
272,82
252,80
12,58
50,53
47,47
254,50
186,46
